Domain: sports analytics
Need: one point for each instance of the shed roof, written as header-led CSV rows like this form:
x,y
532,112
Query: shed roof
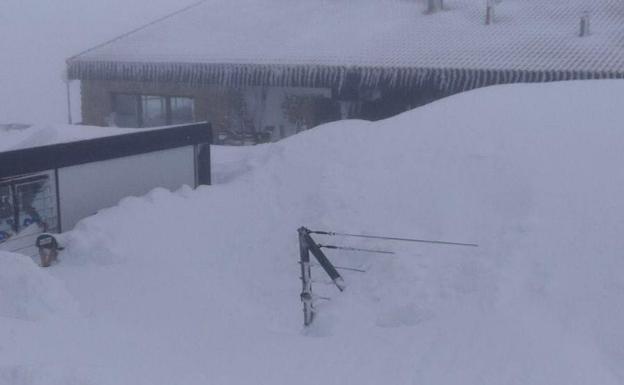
x,y
528,35
79,146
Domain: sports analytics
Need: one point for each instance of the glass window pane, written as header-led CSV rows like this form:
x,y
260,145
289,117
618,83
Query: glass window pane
x,y
182,110
154,110
125,110
36,204
7,213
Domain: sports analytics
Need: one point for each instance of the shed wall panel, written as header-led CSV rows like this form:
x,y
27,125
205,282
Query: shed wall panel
x,y
88,188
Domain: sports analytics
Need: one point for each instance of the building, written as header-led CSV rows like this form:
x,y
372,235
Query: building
x,y
274,67
49,188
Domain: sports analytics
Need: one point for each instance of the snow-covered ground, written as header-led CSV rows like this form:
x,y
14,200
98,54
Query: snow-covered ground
x,y
202,286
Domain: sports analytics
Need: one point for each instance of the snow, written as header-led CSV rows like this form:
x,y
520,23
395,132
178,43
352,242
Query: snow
x,y
28,293
201,286
26,136
527,35
19,137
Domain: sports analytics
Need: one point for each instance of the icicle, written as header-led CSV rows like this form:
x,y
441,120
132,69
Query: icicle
x,y
363,76
450,82
463,76
376,77
472,78
534,76
371,78
407,76
481,78
454,87
327,76
471,75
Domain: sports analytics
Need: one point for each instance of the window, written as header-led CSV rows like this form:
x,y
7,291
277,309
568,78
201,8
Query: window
x,y
182,110
126,111
152,110
27,205
7,213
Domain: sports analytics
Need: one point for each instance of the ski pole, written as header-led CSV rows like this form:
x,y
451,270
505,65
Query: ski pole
x,y
355,249
343,268
331,233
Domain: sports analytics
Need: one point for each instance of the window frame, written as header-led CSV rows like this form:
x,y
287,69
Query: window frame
x,y
49,178
138,100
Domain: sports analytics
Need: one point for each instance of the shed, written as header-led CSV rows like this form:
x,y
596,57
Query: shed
x,y
49,188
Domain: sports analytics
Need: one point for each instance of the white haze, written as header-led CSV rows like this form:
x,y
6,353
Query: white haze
x,y
36,36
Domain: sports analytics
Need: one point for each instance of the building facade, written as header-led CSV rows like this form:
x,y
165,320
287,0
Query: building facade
x,y
280,67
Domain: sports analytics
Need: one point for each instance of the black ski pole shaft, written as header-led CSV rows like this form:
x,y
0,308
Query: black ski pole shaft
x,y
395,238
356,249
322,259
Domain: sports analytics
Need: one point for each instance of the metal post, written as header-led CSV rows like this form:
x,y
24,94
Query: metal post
x,y
489,13
69,107
431,6
584,24
306,278
48,249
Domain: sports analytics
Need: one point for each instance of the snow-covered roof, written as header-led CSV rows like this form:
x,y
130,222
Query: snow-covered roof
x,y
25,136
337,35
22,136
29,149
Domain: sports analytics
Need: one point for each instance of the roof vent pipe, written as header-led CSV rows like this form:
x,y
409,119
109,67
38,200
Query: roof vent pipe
x,y
489,11
434,5
584,24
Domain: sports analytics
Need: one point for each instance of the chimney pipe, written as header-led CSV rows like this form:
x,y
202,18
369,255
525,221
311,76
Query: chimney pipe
x,y
431,6
584,31
489,13
434,5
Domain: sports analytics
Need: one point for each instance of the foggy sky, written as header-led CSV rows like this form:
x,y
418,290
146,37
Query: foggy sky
x,y
36,36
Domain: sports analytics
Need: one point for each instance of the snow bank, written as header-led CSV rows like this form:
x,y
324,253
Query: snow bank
x,y
207,280
29,293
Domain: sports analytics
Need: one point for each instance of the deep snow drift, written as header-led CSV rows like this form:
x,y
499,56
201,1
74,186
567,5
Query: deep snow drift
x,y
202,286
